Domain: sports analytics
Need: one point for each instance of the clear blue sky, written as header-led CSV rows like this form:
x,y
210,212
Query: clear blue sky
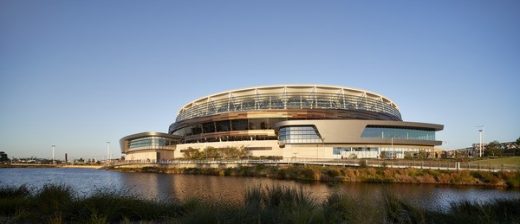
x,y
80,73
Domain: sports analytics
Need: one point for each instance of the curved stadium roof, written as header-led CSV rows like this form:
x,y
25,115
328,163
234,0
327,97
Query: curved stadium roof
x,y
289,97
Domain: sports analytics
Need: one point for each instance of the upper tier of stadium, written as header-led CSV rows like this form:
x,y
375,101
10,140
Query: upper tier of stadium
x,y
283,97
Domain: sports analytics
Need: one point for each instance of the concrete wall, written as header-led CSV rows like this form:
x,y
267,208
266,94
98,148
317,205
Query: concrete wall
x,y
150,155
308,151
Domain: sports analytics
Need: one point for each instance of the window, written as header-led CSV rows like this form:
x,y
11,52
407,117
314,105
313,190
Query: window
x,y
398,133
223,125
149,142
298,134
208,127
238,125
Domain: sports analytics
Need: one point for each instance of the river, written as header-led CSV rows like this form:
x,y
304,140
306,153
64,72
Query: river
x,y
174,186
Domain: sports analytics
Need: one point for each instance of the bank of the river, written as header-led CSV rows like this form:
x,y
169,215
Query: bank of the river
x,y
353,174
26,165
31,165
61,204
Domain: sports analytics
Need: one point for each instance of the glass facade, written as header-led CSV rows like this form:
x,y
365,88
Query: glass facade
x,y
398,133
294,100
149,142
397,152
228,125
298,134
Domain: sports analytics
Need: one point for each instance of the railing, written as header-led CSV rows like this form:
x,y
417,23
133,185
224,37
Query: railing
x,y
418,164
287,101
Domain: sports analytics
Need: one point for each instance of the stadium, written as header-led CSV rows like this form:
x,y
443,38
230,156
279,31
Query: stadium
x,y
289,121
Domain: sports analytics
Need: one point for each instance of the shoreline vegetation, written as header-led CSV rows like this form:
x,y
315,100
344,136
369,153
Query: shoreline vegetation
x,y
352,174
30,165
275,204
333,174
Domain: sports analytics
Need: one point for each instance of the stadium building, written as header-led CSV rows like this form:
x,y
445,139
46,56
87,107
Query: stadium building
x,y
289,121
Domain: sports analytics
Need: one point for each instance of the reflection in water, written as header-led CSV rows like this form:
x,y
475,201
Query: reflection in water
x,y
171,186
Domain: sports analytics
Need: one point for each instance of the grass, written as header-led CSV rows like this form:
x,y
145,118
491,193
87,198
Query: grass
x,y
512,161
60,204
361,174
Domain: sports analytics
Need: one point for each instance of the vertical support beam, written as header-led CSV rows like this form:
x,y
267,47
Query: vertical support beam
x,y
315,97
284,99
229,102
301,101
207,106
256,99
343,96
366,100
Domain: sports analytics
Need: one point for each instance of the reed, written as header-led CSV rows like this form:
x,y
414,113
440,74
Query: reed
x,y
262,204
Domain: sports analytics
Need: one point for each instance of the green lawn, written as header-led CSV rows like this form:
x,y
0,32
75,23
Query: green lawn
x,y
515,161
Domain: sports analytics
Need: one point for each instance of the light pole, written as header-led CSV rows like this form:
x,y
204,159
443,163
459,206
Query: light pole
x,y
480,143
53,148
108,151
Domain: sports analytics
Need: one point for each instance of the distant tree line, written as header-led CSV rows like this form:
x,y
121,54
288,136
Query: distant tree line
x,y
496,148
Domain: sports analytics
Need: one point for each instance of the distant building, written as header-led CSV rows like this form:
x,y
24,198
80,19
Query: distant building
x,y
3,157
474,150
289,121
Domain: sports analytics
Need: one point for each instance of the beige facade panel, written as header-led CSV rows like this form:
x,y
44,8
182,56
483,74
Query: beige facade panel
x,y
350,131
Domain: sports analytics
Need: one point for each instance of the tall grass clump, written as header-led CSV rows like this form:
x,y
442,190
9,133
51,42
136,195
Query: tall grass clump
x,y
107,205
61,204
274,204
342,208
13,200
399,211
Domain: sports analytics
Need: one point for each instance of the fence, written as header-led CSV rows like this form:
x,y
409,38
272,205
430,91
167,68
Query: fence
x,y
418,164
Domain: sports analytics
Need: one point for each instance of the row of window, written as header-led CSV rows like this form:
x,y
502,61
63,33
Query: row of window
x,y
231,138
149,142
398,133
228,125
343,150
298,134
376,152
288,101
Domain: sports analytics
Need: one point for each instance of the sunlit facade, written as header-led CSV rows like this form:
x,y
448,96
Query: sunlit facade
x,y
149,146
297,121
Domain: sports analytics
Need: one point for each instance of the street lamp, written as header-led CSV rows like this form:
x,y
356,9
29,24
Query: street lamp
x,y
53,148
480,144
108,151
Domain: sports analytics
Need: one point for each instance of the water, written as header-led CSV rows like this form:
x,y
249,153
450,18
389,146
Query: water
x,y
170,186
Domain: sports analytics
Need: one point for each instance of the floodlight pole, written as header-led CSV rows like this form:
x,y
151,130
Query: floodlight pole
x,y
480,144
53,148
108,151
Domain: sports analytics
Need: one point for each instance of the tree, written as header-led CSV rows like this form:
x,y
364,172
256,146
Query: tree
x,y
493,149
3,157
422,154
516,150
191,153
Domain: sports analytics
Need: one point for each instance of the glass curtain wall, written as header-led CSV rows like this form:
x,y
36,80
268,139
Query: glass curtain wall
x,y
149,142
398,133
298,134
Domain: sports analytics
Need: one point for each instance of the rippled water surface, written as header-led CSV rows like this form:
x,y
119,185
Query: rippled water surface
x,y
164,186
